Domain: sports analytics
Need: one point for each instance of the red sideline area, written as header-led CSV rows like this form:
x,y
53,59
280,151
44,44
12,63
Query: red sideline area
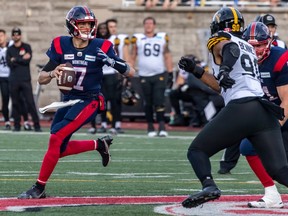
x,y
136,125
113,200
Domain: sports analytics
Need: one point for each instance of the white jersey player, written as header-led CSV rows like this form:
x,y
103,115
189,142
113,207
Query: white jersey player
x,y
246,83
4,77
112,82
150,52
155,72
245,115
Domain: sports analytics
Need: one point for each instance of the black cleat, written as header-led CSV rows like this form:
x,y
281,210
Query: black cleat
x,y
103,148
207,194
27,126
120,131
33,193
101,130
7,126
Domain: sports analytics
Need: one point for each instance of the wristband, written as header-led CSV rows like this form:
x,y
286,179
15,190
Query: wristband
x,y
198,72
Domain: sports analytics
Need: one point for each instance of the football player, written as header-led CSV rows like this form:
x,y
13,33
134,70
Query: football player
x,y
112,82
270,22
88,55
245,115
155,70
4,75
274,80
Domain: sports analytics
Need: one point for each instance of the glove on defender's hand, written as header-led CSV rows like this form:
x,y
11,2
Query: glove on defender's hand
x,y
225,81
190,66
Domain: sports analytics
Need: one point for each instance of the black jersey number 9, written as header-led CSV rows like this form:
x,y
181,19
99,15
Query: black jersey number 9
x,y
150,49
249,65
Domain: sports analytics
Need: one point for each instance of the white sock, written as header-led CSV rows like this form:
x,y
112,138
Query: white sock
x,y
104,124
117,124
271,189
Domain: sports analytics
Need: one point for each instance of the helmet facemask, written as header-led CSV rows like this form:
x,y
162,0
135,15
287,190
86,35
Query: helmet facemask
x,y
263,52
91,32
257,34
81,14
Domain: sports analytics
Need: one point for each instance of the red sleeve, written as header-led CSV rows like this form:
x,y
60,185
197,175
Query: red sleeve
x,y
57,45
106,45
281,62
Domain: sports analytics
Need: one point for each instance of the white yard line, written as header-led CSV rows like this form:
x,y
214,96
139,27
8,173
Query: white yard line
x,y
98,135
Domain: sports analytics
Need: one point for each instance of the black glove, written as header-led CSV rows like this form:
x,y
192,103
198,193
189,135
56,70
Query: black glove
x,y
190,66
170,80
187,64
225,81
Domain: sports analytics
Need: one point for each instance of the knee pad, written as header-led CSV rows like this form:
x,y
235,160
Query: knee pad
x,y
246,148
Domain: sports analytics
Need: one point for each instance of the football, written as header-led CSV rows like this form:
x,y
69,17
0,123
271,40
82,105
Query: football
x,y
67,80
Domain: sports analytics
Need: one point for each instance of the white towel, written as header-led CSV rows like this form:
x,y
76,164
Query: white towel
x,y
57,105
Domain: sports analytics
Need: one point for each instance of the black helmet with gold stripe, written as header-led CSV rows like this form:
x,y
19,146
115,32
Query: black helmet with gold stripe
x,y
227,19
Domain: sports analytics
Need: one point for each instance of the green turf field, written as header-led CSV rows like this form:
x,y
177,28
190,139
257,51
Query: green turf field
x,y
140,166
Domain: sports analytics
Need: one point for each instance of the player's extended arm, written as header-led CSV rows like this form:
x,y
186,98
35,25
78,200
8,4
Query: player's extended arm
x,y
190,66
126,53
283,94
168,59
210,80
133,54
119,65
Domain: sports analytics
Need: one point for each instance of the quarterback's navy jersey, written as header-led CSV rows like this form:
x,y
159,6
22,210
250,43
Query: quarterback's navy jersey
x,y
274,73
85,62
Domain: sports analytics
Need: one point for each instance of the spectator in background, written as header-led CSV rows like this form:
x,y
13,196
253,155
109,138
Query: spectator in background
x,y
190,89
112,81
270,22
4,75
24,113
170,4
102,32
18,58
166,4
148,3
155,72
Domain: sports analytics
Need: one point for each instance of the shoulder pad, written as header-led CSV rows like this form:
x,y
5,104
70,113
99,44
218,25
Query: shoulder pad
x,y
216,38
127,41
116,41
161,34
106,45
166,38
57,45
133,39
281,62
